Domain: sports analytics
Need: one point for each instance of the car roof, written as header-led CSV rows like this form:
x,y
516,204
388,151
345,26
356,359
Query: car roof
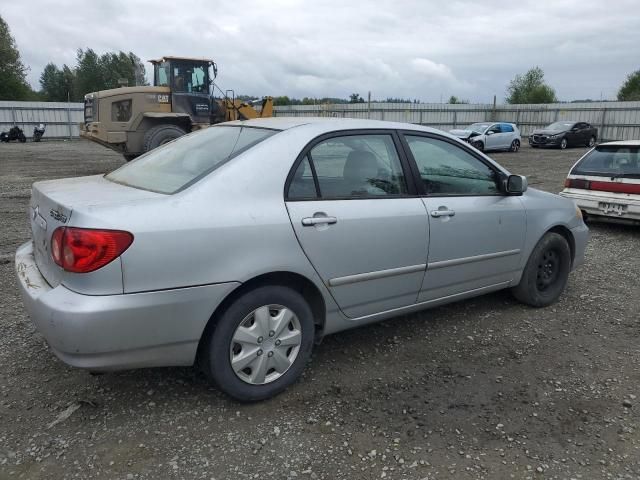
x,y
621,143
331,124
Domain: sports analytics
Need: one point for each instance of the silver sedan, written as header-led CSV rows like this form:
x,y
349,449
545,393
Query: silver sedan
x,y
238,247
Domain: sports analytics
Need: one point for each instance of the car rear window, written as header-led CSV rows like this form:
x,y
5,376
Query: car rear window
x,y
176,165
610,161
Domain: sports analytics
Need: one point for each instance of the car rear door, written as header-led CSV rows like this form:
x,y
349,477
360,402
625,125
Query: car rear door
x,y
476,232
358,220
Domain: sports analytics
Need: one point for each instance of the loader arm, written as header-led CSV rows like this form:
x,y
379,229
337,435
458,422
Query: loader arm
x,y
237,110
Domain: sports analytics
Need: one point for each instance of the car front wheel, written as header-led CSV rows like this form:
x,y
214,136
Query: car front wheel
x,y
260,344
547,271
563,144
478,145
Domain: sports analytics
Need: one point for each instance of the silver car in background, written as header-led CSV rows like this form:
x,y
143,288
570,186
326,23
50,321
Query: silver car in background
x,y
490,136
240,246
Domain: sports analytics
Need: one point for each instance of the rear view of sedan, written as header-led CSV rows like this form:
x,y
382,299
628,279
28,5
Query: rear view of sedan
x,y
605,183
239,246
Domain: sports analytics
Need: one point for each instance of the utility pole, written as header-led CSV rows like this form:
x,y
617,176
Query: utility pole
x,y
493,111
369,105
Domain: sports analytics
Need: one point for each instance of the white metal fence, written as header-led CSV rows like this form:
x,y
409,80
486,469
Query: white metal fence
x,y
614,120
61,119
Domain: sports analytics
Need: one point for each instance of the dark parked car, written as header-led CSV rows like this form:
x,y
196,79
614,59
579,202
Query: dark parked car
x,y
564,134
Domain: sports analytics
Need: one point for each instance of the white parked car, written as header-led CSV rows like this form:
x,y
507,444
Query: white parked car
x,y
491,136
605,182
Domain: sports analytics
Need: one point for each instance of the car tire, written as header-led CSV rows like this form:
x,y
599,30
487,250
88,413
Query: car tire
x,y
547,271
244,320
515,146
563,144
478,145
592,142
161,134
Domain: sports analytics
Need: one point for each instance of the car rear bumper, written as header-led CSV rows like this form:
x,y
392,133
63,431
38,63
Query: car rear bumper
x,y
115,332
596,204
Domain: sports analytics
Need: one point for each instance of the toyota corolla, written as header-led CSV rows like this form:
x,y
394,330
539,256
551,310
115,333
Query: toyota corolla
x,y
237,248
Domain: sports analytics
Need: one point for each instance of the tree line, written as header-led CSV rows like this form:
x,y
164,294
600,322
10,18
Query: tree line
x,y
93,72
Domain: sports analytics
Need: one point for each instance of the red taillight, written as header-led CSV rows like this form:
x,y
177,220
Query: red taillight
x,y
83,250
602,186
577,183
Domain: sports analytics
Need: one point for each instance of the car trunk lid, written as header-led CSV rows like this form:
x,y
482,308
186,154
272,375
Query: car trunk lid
x,y
53,203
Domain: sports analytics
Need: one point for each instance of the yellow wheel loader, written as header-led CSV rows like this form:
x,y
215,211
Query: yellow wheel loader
x,y
134,120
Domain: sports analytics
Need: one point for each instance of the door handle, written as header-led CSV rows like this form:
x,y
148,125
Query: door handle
x,y
311,221
443,213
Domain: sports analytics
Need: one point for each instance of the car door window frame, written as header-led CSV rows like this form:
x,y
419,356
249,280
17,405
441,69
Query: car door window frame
x,y
500,174
405,164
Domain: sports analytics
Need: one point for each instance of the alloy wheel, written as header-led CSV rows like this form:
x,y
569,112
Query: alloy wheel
x,y
265,344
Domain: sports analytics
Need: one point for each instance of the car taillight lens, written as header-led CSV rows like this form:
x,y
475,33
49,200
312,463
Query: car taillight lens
x,y
577,183
83,250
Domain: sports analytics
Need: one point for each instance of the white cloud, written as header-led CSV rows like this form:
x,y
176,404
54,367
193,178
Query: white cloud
x,y
407,48
432,69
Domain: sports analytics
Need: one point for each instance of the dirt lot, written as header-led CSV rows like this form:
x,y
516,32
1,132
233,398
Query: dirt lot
x,y
486,388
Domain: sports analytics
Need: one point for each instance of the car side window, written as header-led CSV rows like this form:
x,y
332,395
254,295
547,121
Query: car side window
x,y
302,185
494,129
446,169
357,166
506,128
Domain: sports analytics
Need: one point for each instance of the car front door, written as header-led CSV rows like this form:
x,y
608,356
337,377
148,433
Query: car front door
x,y
574,134
583,133
359,221
493,138
476,232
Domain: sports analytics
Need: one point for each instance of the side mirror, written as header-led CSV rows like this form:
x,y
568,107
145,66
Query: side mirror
x,y
490,132
516,185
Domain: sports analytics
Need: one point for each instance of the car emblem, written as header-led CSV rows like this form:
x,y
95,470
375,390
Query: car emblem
x,y
56,215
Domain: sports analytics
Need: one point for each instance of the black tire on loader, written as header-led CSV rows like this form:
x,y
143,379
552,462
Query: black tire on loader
x,y
160,135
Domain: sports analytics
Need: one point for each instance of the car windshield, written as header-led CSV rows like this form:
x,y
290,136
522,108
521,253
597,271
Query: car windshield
x,y
178,164
560,126
610,161
478,127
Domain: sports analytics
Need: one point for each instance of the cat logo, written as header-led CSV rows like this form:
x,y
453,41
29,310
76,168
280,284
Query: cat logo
x,y
163,98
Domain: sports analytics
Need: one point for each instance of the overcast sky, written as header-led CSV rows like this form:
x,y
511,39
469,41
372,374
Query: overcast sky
x,y
412,49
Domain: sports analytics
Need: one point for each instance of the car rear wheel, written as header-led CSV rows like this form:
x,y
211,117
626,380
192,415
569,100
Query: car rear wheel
x,y
592,142
563,144
260,344
547,271
515,146
160,135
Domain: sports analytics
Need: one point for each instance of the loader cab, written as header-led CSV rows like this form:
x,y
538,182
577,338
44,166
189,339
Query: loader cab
x,y
189,81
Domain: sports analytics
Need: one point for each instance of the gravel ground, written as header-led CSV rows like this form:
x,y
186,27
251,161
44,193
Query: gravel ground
x,y
486,388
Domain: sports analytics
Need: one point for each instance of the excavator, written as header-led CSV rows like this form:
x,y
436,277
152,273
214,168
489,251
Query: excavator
x,y
134,120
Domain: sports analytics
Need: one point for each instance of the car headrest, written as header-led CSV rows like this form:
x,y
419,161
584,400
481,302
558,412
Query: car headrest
x,y
360,165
